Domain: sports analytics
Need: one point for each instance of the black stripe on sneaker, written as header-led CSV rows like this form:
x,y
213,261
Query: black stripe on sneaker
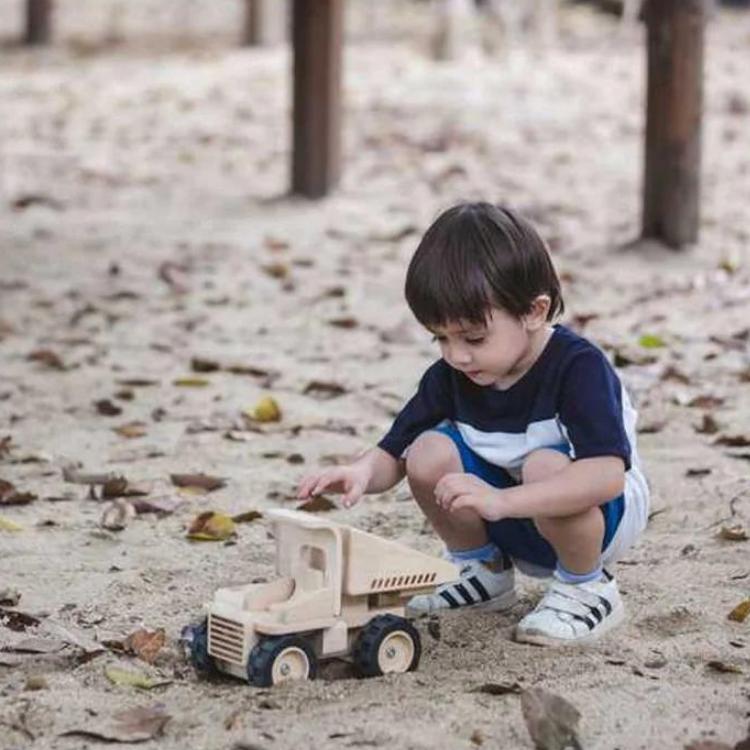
x,y
595,611
448,598
467,597
607,605
480,589
589,622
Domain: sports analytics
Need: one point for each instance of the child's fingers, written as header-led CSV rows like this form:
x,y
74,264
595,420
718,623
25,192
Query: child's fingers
x,y
326,479
303,491
353,495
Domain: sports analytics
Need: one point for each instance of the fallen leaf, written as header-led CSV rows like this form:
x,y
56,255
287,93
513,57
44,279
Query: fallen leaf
x,y
317,504
724,667
138,382
9,495
346,322
17,621
131,430
324,390
200,481
740,612
734,533
134,725
705,402
106,408
120,487
733,441
161,505
708,426
145,644
266,410
36,682
174,275
673,373
211,527
129,678
247,517
117,515
191,382
697,472
651,341
5,446
277,270
48,358
199,364
498,688
551,720
7,525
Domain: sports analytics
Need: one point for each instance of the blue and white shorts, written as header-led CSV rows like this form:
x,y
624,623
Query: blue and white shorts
x,y
625,516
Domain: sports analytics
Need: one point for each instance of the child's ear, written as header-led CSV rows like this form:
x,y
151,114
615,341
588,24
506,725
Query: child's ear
x,y
536,318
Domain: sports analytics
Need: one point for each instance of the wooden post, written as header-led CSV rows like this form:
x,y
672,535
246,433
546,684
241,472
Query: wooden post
x,y
671,195
265,22
38,21
317,34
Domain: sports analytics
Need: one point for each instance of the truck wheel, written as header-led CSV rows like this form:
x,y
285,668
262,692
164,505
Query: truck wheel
x,y
280,658
195,640
387,644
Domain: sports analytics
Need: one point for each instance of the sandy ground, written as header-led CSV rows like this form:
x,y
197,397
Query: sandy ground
x,y
128,167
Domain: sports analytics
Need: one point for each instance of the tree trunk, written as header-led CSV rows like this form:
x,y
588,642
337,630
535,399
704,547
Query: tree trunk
x,y
38,21
671,196
317,32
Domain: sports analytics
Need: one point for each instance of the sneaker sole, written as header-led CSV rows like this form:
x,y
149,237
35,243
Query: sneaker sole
x,y
538,638
496,604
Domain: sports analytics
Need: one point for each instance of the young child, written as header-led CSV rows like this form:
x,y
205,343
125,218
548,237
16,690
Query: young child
x,y
519,445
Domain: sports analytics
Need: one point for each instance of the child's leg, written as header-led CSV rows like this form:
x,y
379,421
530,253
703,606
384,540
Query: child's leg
x,y
430,458
577,539
485,575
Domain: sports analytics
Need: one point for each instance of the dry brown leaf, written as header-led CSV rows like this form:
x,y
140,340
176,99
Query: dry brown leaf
x,y
698,472
200,481
740,612
160,505
145,644
131,430
199,364
247,517
724,667
9,495
317,504
498,688
733,441
708,426
551,720
48,358
324,390
347,322
106,408
121,487
277,270
705,402
735,533
211,527
138,382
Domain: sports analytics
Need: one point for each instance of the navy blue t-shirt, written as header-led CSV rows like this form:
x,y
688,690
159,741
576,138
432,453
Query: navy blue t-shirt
x,y
571,396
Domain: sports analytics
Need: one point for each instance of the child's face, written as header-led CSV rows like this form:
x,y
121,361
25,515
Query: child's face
x,y
490,354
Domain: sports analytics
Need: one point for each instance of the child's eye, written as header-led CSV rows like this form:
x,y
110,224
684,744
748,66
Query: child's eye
x,y
439,339
475,341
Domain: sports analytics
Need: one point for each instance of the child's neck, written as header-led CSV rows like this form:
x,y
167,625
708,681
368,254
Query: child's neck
x,y
537,343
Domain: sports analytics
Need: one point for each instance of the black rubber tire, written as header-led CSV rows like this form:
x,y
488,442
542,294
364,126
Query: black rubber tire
x,y
196,638
262,657
372,635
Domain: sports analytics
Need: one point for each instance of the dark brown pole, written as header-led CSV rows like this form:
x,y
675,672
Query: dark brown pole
x,y
38,21
317,34
671,194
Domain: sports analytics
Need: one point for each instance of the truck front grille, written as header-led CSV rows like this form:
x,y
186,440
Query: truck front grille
x,y
226,639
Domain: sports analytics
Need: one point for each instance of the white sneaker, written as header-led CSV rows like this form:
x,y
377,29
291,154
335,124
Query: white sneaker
x,y
477,587
573,613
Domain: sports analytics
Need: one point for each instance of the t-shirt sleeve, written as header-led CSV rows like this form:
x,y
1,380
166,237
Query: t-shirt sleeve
x,y
429,406
591,408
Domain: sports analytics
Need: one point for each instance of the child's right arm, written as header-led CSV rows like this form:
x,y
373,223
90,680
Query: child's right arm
x,y
374,471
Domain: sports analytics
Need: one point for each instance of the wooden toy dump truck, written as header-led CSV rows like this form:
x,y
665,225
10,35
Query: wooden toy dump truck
x,y
341,592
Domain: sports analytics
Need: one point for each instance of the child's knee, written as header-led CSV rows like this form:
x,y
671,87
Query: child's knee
x,y
430,457
543,463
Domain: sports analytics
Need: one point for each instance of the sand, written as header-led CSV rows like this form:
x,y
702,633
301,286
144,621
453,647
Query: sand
x,y
159,230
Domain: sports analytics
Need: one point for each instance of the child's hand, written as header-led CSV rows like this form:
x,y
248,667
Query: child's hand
x,y
351,480
456,491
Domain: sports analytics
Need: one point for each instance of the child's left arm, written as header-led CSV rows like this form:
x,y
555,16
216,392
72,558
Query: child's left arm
x,y
583,484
